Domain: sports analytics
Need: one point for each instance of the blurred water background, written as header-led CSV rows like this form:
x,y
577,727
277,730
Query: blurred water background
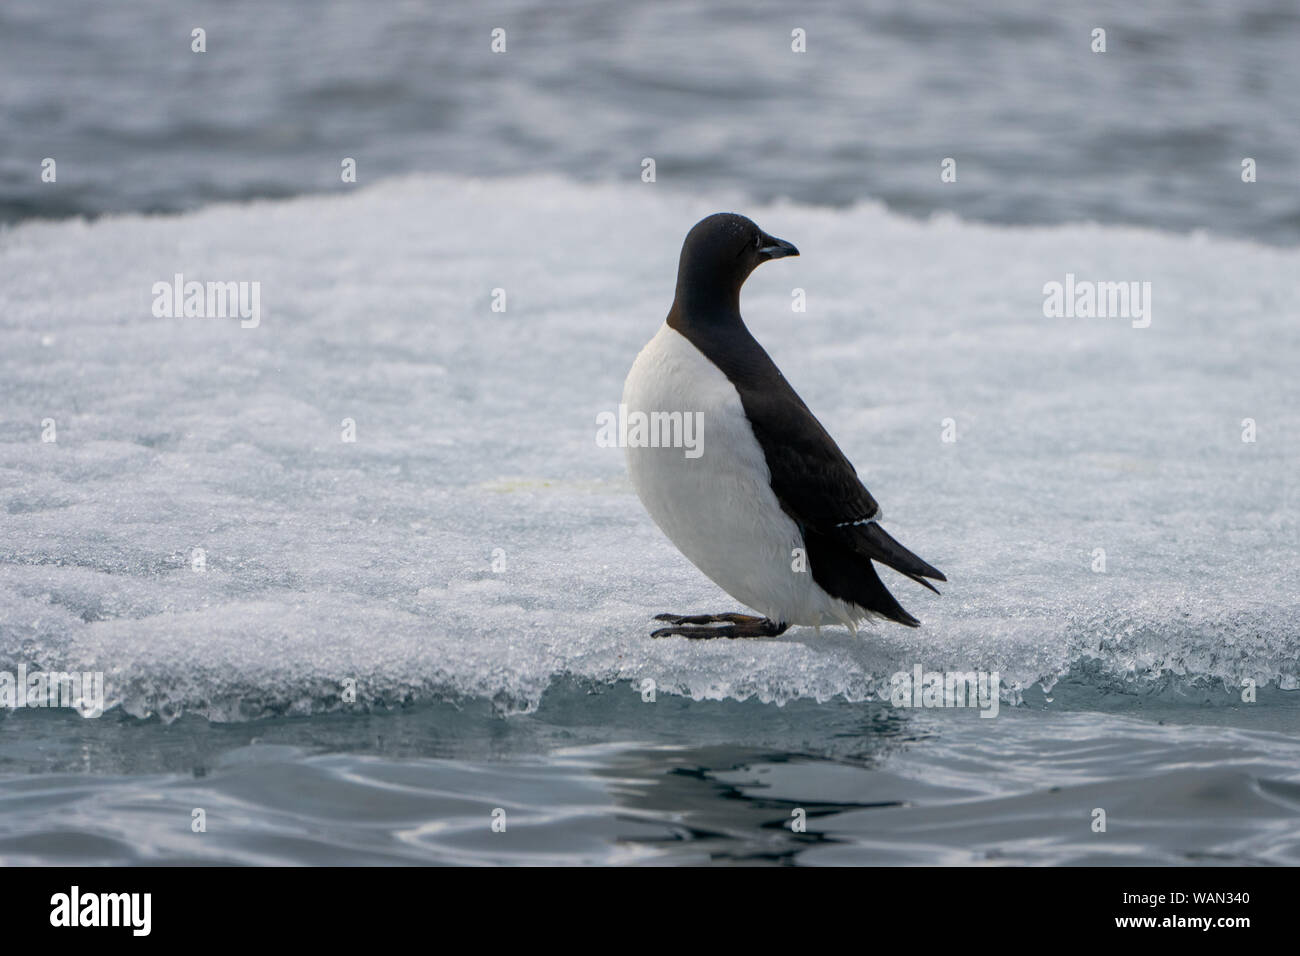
x,y
1044,130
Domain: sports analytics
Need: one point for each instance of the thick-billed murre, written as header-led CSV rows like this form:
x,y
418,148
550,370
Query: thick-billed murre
x,y
771,510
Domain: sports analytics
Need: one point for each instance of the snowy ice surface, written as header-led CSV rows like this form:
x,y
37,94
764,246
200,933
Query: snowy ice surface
x,y
476,431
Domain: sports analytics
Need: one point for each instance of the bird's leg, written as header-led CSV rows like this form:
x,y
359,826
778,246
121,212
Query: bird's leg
x,y
699,626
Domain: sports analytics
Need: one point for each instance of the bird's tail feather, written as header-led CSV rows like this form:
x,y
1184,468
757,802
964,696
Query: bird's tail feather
x,y
874,542
881,601
844,572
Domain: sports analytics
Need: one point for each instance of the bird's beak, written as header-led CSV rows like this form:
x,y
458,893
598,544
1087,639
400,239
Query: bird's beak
x,y
776,249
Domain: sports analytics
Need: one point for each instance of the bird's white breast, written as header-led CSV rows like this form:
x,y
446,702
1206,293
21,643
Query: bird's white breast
x,y
719,508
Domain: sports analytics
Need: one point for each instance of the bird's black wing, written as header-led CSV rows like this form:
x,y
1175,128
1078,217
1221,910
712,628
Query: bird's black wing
x,y
816,484
813,481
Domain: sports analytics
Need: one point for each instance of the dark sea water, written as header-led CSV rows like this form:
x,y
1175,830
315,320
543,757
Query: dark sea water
x,y
513,695
1153,131
590,778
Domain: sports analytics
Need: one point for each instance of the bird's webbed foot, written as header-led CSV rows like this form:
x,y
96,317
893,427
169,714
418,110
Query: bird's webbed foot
x,y
704,626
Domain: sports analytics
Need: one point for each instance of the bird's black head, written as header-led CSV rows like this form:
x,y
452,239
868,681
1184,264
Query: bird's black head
x,y
718,255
